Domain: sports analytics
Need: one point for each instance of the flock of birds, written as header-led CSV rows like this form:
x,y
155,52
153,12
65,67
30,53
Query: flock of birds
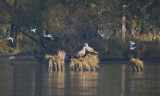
x,y
47,35
82,52
33,30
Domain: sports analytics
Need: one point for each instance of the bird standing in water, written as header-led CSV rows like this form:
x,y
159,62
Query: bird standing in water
x,y
90,49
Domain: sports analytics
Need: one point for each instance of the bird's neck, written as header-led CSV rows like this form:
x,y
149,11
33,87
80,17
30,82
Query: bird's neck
x,y
84,49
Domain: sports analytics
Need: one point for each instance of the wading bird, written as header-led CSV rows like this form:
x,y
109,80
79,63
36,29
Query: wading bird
x,y
90,49
81,52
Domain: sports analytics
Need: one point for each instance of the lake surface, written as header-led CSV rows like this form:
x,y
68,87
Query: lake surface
x,y
115,78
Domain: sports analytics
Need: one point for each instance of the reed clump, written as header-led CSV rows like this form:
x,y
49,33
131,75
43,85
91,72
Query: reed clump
x,y
88,63
56,62
137,64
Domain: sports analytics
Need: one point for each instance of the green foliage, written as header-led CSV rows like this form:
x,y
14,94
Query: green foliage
x,y
4,48
117,46
12,50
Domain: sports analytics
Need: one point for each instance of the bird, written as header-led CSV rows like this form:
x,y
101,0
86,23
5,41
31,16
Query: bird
x,y
33,30
12,57
101,34
132,48
80,53
131,45
10,38
49,36
90,49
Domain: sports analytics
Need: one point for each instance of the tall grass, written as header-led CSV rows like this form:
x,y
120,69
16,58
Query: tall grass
x,y
56,62
88,63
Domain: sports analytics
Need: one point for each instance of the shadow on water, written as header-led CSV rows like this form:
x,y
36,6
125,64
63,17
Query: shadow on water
x,y
115,78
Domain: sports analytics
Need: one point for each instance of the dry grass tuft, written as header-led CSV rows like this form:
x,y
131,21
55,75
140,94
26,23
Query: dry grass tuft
x,y
56,62
88,63
137,64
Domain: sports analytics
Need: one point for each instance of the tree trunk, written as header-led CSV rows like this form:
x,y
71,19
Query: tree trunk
x,y
123,23
123,27
15,38
133,32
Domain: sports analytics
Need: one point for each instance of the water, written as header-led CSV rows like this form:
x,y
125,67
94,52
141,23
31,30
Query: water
x,y
31,78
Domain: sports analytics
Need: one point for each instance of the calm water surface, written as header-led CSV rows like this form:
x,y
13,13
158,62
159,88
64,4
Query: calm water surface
x,y
31,78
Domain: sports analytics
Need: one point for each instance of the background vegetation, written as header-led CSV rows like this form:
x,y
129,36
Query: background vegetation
x,y
75,22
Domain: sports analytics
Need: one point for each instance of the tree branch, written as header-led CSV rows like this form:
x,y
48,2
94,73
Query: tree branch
x,y
7,7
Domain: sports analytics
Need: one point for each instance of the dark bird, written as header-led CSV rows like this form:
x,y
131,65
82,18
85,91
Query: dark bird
x,y
90,49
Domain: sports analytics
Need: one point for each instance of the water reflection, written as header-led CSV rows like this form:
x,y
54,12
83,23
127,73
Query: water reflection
x,y
123,78
84,83
56,83
31,78
145,83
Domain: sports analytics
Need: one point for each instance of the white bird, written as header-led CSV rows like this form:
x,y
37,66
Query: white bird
x,y
12,57
101,34
48,35
33,30
90,49
0,40
132,48
10,38
131,45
